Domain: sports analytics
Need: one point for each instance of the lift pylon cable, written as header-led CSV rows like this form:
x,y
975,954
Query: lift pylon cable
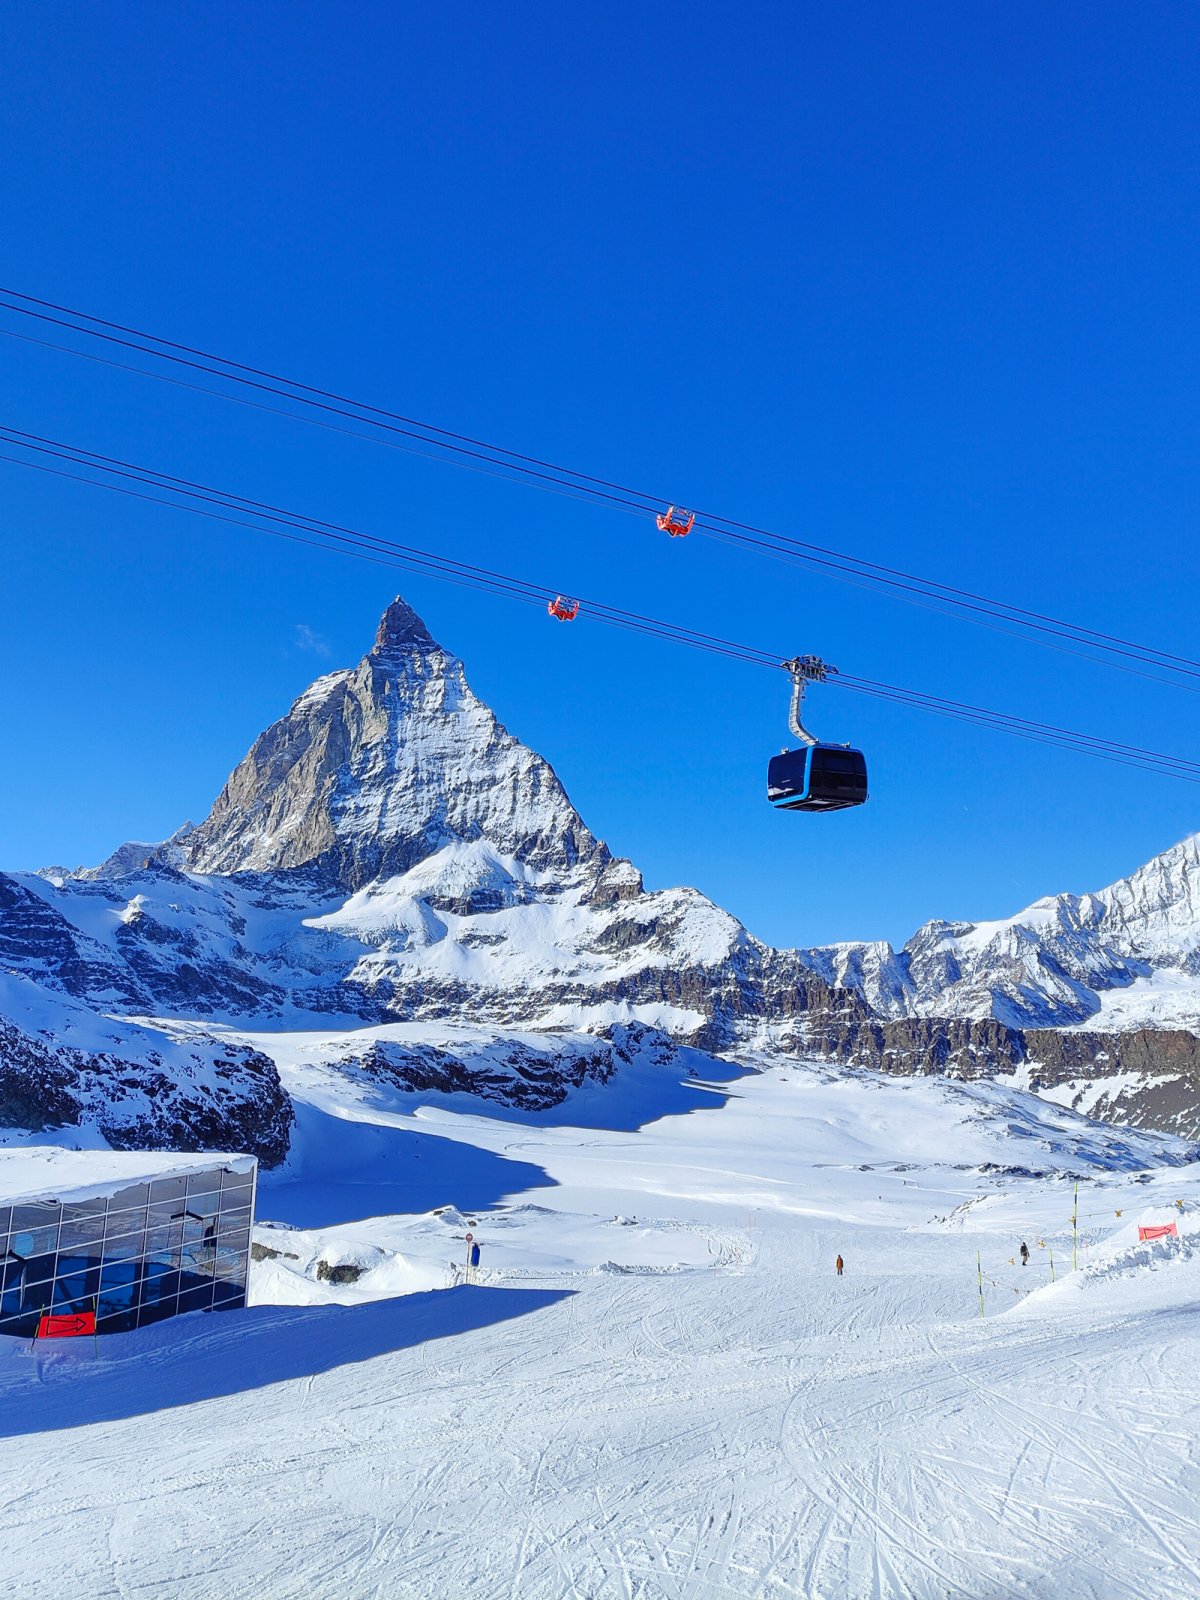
x,y
468,450
223,506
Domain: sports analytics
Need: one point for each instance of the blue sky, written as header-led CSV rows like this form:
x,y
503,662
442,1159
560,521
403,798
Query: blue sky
x,y
918,282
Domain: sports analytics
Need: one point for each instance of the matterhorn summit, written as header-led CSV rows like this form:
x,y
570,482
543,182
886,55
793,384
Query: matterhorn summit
x,y
377,767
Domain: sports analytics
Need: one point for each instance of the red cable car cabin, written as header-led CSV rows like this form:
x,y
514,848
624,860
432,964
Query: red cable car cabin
x,y
562,608
676,521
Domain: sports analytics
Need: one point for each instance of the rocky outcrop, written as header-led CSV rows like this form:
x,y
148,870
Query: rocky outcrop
x,y
205,1097
1145,1079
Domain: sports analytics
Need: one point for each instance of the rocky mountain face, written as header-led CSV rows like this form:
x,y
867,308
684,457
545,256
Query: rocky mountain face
x,y
392,877
376,769
64,1065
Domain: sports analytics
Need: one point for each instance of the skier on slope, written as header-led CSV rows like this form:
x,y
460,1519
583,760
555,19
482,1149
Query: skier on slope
x,y
840,1265
1024,1254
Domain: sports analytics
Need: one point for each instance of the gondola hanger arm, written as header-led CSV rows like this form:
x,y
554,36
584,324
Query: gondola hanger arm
x,y
804,670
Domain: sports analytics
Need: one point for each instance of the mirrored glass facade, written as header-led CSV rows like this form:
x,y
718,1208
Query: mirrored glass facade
x,y
133,1254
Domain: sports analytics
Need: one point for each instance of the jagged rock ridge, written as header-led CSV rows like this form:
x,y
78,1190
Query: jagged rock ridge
x,y
1125,957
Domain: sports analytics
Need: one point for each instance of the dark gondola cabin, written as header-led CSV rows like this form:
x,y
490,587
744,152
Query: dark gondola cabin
x,y
818,777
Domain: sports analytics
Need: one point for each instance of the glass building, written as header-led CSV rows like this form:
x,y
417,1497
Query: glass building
x,y
131,1237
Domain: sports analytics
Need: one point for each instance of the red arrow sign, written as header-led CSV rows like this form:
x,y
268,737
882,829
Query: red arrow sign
x,y
1163,1231
66,1325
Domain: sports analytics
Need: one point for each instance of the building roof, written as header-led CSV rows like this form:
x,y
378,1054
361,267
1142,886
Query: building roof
x,y
43,1172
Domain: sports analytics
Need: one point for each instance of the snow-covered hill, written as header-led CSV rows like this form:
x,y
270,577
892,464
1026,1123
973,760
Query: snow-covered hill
x,y
387,853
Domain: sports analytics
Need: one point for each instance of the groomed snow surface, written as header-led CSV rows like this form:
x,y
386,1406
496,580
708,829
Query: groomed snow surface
x,y
657,1387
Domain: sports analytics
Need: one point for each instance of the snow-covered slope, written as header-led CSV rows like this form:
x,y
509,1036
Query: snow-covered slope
x,y
658,1387
133,1085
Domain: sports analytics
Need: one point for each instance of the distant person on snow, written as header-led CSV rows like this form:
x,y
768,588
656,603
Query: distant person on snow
x,y
1024,1254
840,1265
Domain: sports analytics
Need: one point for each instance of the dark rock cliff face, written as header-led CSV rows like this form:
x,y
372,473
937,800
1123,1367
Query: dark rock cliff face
x,y
1148,1078
513,1073
36,939
223,1100
1165,1063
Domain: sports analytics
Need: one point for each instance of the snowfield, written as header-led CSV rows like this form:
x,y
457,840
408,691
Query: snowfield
x,y
658,1387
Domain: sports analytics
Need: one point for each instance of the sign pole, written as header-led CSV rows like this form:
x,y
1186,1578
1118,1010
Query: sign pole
x,y
1075,1231
979,1276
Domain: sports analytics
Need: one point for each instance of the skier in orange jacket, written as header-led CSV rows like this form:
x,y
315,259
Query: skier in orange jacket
x,y
840,1264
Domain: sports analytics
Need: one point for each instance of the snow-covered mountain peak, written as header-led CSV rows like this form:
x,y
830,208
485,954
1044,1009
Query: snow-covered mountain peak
x,y
388,853
1119,957
375,768
1160,902
127,858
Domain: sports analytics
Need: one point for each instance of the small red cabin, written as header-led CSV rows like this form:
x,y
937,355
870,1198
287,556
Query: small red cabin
x,y
676,521
562,608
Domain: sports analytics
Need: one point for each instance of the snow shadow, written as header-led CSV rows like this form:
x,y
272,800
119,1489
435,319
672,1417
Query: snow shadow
x,y
382,1163
344,1171
634,1097
636,1094
213,1355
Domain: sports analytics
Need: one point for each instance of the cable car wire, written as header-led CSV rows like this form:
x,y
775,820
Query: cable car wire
x,y
224,506
465,449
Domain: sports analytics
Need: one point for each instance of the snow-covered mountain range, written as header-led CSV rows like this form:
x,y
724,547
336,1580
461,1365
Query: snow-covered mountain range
x,y
393,884
1125,957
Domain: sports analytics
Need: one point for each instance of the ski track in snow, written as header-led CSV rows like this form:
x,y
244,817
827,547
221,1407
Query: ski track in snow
x,y
652,1394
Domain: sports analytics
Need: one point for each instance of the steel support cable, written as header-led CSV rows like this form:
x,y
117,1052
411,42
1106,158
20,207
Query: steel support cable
x,y
383,552
494,454
911,700
779,546
865,583
185,486
928,600
896,579
305,388
426,559
238,510
380,556
578,494
999,721
37,440
413,559
1079,649
927,589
